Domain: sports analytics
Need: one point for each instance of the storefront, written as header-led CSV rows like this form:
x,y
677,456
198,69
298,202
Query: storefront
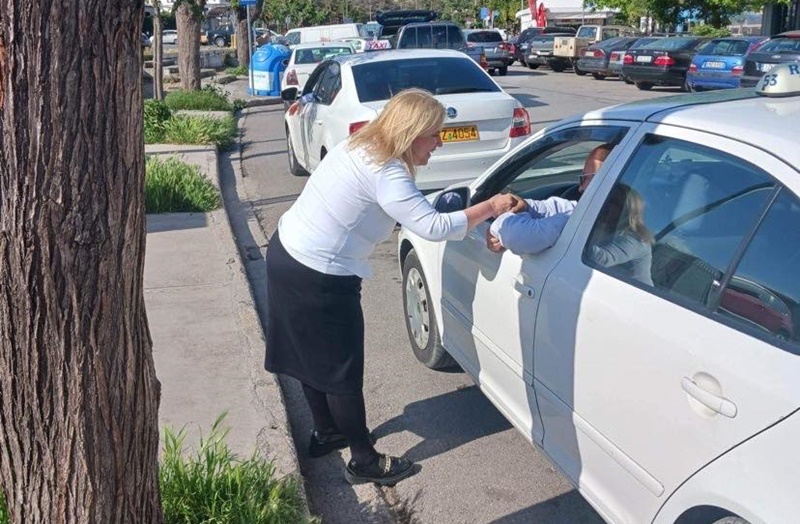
x,y
781,17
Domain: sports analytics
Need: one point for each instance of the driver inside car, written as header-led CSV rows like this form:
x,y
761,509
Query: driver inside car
x,y
535,225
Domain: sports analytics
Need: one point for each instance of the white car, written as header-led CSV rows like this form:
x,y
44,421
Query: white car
x,y
169,36
306,57
670,397
483,122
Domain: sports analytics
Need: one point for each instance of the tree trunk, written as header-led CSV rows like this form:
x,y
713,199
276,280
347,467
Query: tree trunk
x,y
158,53
242,52
78,391
187,19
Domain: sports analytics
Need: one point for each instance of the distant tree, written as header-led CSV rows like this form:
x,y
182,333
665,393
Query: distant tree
x,y
158,51
78,390
189,16
716,13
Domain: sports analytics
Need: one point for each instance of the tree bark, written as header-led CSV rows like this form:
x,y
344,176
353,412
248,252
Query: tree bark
x,y
78,391
188,17
242,52
158,53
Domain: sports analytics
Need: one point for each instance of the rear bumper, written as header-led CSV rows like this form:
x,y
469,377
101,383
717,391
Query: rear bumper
x,y
549,60
594,66
655,75
615,68
718,81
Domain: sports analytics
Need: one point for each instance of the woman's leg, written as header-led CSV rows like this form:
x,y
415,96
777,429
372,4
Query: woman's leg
x,y
320,412
350,417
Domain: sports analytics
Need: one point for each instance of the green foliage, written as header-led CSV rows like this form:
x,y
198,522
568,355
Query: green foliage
x,y
716,13
209,98
156,115
172,186
213,486
4,517
229,60
238,71
186,129
710,31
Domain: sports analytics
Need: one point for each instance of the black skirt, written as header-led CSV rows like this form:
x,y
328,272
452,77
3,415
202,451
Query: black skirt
x,y
315,330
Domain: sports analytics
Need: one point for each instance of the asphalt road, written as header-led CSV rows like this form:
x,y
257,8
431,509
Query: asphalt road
x,y
475,468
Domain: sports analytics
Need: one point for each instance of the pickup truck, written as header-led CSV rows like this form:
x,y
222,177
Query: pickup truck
x,y
438,35
571,47
498,53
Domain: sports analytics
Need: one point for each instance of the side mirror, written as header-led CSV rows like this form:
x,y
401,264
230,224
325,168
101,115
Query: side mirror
x,y
289,94
450,200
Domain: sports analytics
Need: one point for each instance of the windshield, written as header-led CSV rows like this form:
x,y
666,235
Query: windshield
x,y
724,48
671,43
381,80
484,36
318,54
781,45
587,32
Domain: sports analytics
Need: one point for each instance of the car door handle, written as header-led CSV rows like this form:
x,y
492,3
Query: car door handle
x,y
318,122
712,401
526,290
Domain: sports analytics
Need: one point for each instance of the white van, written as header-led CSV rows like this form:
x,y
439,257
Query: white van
x,y
323,33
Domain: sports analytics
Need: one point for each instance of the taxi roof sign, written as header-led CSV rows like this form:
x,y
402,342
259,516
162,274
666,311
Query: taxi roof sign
x,y
781,80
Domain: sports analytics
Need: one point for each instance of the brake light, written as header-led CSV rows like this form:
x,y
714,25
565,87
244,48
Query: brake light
x,y
664,61
737,70
693,68
291,78
355,126
520,123
484,63
615,56
627,59
599,53
505,46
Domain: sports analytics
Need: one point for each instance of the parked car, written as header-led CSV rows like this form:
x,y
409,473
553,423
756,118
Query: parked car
x,y
597,58
540,52
220,36
664,62
617,60
779,49
145,40
483,121
392,21
588,34
306,57
437,35
320,33
719,64
169,36
524,38
658,398
491,43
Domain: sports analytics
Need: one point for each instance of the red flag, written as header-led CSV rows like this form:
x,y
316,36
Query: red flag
x,y
541,16
532,7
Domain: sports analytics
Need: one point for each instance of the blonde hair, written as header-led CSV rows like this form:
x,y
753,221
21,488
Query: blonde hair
x,y
407,115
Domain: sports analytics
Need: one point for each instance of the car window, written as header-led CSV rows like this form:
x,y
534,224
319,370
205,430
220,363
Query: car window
x,y
781,45
316,55
724,48
484,36
643,42
292,37
685,210
672,43
763,295
329,84
610,33
549,166
380,80
587,32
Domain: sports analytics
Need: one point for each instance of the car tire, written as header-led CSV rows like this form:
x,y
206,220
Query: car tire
x,y
644,86
687,87
492,72
533,66
578,71
423,333
503,71
220,42
627,80
294,166
598,76
557,69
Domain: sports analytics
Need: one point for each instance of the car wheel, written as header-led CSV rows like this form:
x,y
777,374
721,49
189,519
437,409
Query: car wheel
x,y
578,71
598,76
557,69
423,333
533,66
627,80
687,87
492,72
294,166
219,42
503,71
644,86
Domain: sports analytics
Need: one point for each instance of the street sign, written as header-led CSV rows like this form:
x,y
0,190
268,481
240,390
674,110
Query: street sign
x,y
247,3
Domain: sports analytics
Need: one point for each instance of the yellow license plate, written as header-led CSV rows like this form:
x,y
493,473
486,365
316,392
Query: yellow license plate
x,y
459,134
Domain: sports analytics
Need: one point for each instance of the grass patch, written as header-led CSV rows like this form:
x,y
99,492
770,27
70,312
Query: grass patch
x,y
156,115
4,518
172,186
212,485
209,98
187,129
238,71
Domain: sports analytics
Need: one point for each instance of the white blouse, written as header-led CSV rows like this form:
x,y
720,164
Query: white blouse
x,y
350,204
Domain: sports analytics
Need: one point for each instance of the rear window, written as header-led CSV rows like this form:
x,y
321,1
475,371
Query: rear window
x,y
318,54
725,48
431,37
608,44
671,43
643,42
781,45
484,36
587,32
448,75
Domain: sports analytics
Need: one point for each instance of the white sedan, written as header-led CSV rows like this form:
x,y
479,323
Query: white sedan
x,y
671,396
483,122
169,36
306,57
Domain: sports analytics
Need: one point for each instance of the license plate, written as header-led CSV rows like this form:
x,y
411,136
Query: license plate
x,y
765,67
714,65
646,59
459,134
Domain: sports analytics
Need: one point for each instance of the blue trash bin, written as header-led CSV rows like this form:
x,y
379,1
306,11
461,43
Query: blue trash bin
x,y
266,68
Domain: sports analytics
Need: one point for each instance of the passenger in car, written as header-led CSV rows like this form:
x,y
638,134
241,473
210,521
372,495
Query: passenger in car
x,y
620,239
535,225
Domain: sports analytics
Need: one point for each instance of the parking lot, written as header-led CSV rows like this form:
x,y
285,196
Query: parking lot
x,y
476,468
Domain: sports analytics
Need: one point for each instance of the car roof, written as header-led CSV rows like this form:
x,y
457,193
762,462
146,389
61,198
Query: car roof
x,y
766,122
317,45
398,54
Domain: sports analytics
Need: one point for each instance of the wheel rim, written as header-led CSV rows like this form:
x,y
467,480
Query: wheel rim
x,y
417,310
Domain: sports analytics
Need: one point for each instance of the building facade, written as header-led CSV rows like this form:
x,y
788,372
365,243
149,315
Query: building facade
x,y
781,17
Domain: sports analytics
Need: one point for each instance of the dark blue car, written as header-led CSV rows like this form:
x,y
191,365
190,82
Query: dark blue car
x,y
719,64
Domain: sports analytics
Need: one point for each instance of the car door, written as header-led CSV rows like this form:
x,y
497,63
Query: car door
x,y
298,125
489,300
644,378
318,111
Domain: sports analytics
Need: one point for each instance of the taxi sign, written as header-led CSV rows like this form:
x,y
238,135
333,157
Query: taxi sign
x,y
782,80
377,45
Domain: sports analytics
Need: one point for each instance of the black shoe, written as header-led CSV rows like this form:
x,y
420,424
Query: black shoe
x,y
386,471
321,444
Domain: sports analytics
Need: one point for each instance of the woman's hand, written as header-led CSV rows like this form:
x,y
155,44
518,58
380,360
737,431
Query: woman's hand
x,y
492,242
504,203
521,206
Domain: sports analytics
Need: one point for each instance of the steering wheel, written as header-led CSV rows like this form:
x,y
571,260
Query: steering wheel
x,y
571,193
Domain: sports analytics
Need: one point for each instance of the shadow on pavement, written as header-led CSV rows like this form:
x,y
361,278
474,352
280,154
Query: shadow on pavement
x,y
568,508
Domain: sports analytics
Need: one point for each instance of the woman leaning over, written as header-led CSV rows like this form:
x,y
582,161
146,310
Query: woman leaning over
x,y
319,254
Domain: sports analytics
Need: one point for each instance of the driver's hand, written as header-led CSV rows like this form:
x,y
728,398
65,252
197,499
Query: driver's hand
x,y
493,243
520,207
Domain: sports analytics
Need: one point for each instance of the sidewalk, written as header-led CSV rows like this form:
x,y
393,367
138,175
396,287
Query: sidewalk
x,y
207,339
